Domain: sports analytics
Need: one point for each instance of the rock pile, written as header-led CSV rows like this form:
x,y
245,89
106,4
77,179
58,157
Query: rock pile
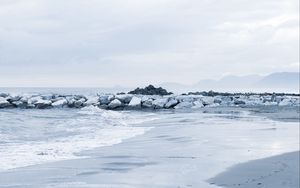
x,y
137,101
150,90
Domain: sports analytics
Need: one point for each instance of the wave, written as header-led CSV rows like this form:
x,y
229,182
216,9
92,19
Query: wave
x,y
68,136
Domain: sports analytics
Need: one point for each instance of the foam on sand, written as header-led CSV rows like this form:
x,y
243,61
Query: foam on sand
x,y
89,128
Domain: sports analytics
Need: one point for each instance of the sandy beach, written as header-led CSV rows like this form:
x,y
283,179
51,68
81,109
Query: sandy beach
x,y
278,171
182,149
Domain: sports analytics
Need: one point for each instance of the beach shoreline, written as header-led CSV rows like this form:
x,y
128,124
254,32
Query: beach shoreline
x,y
181,150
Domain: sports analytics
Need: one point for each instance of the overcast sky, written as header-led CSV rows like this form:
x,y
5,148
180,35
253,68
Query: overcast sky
x,y
102,43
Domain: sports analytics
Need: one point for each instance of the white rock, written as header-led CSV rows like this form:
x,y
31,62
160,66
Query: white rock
x,y
60,103
198,104
43,103
92,101
13,98
111,97
103,99
125,98
4,95
296,102
19,104
34,99
285,102
160,103
135,102
186,98
79,103
184,105
114,104
239,101
207,100
4,103
145,98
172,102
147,103
25,99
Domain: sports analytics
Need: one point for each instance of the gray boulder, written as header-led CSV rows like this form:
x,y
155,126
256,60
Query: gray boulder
x,y
60,103
239,102
124,98
160,103
115,104
79,103
135,102
150,90
41,104
171,103
4,95
4,103
147,103
103,99
20,104
185,104
92,101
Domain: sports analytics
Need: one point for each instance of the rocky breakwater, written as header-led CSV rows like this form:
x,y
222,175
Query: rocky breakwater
x,y
141,98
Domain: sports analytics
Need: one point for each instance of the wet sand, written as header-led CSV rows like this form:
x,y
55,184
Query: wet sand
x,y
181,150
274,172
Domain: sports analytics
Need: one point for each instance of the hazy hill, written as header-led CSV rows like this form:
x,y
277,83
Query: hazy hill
x,y
275,82
280,79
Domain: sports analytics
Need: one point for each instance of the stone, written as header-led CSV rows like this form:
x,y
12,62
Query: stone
x,y
41,104
217,100
78,97
4,95
171,103
34,99
4,103
92,101
160,103
150,90
111,97
135,102
103,99
239,102
79,103
207,100
60,103
12,98
115,104
184,98
148,103
197,104
285,102
71,101
20,104
124,98
47,96
185,104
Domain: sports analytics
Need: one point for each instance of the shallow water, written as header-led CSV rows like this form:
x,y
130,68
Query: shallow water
x,y
31,136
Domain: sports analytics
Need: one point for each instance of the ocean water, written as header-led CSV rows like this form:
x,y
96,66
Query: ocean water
x,y
175,148
31,136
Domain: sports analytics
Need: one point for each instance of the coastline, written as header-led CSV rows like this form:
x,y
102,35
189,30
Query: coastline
x,y
180,151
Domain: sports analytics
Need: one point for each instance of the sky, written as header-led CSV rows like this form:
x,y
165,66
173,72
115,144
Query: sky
x,y
104,43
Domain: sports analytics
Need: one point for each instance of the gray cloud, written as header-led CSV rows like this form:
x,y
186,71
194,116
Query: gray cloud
x,y
103,43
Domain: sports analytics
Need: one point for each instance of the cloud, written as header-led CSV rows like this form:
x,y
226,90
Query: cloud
x,y
144,41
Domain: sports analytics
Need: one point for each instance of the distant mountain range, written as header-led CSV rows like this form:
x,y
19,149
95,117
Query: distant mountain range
x,y
275,82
